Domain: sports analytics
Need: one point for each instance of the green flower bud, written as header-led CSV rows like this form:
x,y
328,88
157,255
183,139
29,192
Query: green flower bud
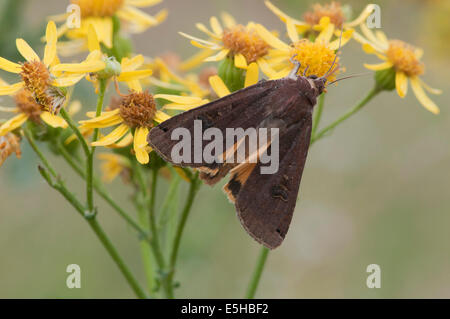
x,y
233,77
385,79
113,68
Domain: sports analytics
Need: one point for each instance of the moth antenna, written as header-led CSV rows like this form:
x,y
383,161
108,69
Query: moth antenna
x,y
336,55
297,64
306,70
349,77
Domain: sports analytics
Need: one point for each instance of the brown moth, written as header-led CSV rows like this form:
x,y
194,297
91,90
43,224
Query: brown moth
x,y
264,202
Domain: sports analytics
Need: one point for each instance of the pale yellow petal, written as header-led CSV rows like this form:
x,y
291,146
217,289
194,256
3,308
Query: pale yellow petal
x,y
143,3
266,68
326,34
11,89
283,17
13,123
291,30
379,67
112,137
125,141
422,96
401,83
134,75
228,20
140,141
270,39
83,67
204,29
252,75
67,81
74,107
26,51
215,26
51,37
430,89
362,17
240,62
218,57
161,117
133,63
218,86
53,120
10,66
178,99
93,43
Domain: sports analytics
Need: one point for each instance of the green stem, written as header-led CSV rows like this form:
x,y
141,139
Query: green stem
x,y
193,189
257,272
91,219
76,131
318,115
90,157
103,193
372,93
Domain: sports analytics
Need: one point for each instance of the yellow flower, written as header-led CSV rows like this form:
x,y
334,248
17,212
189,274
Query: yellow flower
x,y
316,57
46,79
99,14
112,166
220,88
137,114
27,109
242,43
9,144
313,20
402,58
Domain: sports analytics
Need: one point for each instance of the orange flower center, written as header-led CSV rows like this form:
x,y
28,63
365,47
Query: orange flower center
x,y
27,105
240,39
9,143
404,58
37,80
332,10
138,109
315,57
98,8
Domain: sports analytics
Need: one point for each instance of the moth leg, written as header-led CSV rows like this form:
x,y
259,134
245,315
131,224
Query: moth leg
x,y
297,64
306,70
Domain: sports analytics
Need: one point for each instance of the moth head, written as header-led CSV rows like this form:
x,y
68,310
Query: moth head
x,y
317,83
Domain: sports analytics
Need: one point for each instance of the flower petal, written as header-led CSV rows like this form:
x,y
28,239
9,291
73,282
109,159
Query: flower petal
x,y
125,141
13,123
161,117
272,40
240,62
178,99
83,67
112,137
93,43
67,81
218,57
143,3
215,26
252,75
378,67
430,89
228,20
422,97
218,86
133,63
266,68
134,75
53,120
292,30
401,83
140,141
51,37
11,89
26,51
10,66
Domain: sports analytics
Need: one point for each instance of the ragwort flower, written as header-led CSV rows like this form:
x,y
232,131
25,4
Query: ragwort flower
x,y
9,144
403,59
46,80
242,43
100,14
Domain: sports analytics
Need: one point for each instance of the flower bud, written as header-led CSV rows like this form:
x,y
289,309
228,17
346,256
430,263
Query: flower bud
x,y
385,79
233,77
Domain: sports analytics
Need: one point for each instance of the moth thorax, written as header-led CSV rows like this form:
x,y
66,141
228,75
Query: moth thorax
x,y
98,8
138,109
244,40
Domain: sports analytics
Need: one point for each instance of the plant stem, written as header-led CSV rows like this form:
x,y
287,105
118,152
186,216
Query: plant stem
x,y
91,219
103,193
90,157
318,115
257,272
372,93
76,131
193,189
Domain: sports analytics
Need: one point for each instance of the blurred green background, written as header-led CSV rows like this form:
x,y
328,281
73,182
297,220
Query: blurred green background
x,y
376,191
